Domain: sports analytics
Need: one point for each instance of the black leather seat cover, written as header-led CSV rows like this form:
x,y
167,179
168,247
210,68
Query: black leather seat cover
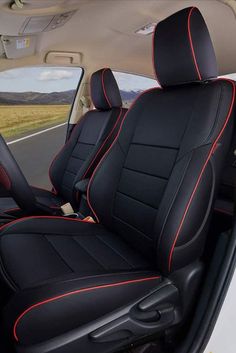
x,y
225,203
152,194
89,140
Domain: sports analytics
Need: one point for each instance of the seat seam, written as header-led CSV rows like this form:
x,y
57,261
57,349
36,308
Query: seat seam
x,y
46,237
136,200
217,117
133,227
114,143
104,286
114,250
89,253
173,199
145,173
209,155
7,276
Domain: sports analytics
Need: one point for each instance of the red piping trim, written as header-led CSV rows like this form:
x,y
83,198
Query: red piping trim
x,y
12,209
103,144
76,292
153,56
4,178
221,210
109,149
191,43
103,87
200,176
62,149
43,217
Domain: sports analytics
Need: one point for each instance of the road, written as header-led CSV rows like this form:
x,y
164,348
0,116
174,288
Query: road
x,y
34,154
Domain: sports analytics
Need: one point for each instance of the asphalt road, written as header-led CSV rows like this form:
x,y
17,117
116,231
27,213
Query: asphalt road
x,y
34,155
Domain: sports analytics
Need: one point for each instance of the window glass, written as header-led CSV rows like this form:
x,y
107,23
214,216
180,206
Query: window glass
x,y
131,86
230,76
35,98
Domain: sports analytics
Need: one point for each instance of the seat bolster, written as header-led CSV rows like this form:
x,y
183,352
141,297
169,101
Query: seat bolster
x,y
70,305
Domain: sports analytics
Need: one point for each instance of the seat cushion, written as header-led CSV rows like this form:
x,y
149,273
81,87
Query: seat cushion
x,y
41,249
63,271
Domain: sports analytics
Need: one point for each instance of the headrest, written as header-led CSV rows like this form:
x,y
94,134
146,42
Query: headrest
x,y
182,49
105,93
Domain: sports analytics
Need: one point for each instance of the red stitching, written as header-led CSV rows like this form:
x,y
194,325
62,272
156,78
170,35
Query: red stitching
x,y
62,149
200,176
221,210
191,43
77,292
44,217
103,87
153,55
103,144
4,178
109,149
12,209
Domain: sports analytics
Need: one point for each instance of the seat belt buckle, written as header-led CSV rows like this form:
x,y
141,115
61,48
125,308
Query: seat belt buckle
x,y
89,219
67,209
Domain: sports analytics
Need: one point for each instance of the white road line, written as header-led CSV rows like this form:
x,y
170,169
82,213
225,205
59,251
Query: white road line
x,y
35,134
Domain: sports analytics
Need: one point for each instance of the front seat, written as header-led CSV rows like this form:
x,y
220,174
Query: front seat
x,y
72,286
89,140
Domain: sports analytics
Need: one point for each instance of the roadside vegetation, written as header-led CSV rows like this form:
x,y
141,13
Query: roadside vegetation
x,y
16,120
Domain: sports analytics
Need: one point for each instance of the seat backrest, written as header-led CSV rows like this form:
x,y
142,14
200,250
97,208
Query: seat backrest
x,y
156,185
90,138
225,203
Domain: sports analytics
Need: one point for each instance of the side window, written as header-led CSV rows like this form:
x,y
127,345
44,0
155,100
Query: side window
x,y
230,76
131,86
34,98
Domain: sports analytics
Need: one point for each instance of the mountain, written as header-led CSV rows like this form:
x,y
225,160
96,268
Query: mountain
x,y
129,95
31,98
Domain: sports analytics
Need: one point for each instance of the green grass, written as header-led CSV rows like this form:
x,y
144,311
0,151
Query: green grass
x,y
16,120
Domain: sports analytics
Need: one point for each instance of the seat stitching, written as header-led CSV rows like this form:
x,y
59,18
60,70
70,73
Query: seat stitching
x,y
145,173
173,199
7,276
154,146
191,43
135,199
77,126
133,227
114,250
217,116
105,156
214,144
46,237
89,253
82,290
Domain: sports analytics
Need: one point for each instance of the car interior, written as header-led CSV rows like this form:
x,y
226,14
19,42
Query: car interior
x,y
131,248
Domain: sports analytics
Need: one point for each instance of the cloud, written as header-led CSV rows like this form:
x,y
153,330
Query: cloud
x,y
53,75
129,82
11,74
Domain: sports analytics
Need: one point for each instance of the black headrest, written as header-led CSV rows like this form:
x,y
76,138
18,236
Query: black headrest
x,y
182,49
105,93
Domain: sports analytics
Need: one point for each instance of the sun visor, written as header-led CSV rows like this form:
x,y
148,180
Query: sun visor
x,y
18,46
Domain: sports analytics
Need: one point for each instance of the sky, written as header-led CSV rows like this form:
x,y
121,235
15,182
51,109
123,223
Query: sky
x,y
39,79
56,79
